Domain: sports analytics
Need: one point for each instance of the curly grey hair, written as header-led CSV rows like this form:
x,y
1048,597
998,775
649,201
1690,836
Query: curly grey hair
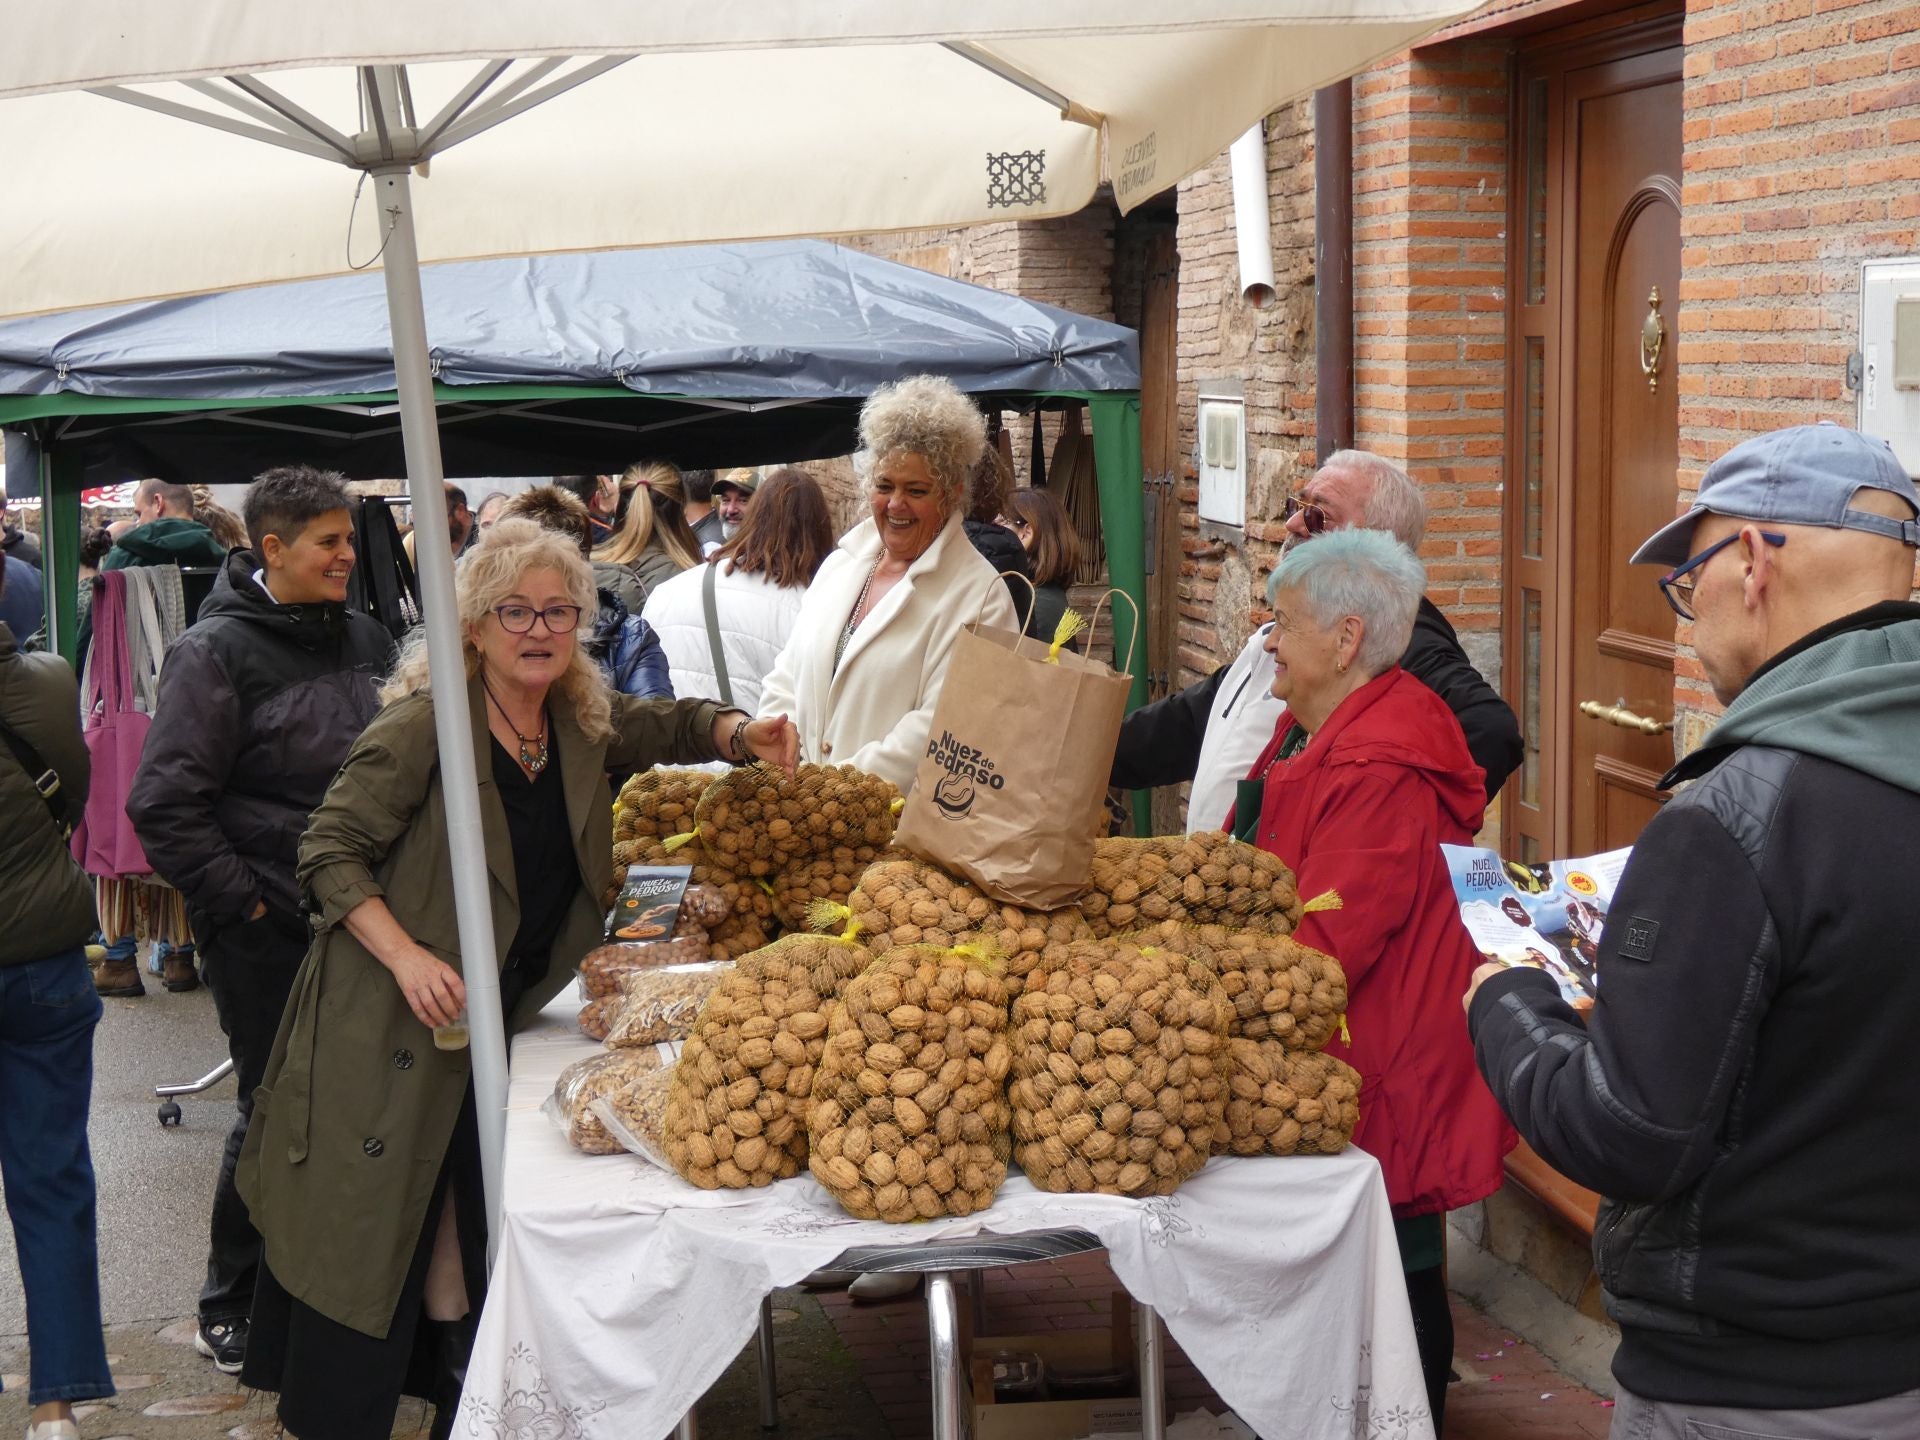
x,y
925,415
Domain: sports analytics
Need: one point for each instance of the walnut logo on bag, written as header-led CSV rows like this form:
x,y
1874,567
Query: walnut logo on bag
x,y
969,770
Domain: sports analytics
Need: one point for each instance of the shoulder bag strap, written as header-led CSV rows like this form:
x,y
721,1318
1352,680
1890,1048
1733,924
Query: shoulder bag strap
x,y
45,778
712,607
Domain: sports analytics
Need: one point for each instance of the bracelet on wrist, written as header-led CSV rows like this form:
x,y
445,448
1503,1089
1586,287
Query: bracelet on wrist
x,y
738,744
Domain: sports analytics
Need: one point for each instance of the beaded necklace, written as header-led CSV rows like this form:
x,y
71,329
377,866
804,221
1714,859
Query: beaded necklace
x,y
854,617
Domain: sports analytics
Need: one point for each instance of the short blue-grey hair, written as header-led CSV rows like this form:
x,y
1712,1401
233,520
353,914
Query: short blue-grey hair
x,y
1364,573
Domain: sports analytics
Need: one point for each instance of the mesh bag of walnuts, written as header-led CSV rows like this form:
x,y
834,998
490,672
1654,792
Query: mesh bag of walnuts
x,y
1280,989
657,803
1287,1102
736,1111
1119,1069
662,1003
585,1081
1207,878
830,876
755,821
909,1113
912,902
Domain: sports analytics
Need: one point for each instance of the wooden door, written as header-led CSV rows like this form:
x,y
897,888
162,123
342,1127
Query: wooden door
x,y
1595,436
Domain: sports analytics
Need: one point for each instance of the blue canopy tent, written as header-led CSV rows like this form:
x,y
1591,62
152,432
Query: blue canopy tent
x,y
721,354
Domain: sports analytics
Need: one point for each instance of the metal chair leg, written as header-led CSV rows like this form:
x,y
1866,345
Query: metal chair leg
x,y
689,1426
769,1387
943,1336
1152,1364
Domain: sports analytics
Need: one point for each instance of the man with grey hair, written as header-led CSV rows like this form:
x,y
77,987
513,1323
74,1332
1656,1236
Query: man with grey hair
x,y
1741,1096
1211,731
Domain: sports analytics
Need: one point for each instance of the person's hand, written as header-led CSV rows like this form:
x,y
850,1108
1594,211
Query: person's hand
x,y
259,909
1480,977
435,992
774,741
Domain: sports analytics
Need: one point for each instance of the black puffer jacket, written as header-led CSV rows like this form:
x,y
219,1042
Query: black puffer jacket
x,y
46,903
1001,548
259,704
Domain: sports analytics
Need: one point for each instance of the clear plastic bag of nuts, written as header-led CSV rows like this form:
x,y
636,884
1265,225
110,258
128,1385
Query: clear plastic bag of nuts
x,y
605,968
1120,1069
586,1080
909,1115
634,1115
662,1003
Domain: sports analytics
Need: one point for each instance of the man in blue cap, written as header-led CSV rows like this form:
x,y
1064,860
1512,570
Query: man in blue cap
x,y
1743,1093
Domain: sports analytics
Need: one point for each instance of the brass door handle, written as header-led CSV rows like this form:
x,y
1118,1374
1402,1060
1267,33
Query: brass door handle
x,y
1623,717
1653,335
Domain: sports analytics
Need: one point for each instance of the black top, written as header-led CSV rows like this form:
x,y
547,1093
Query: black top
x,y
544,869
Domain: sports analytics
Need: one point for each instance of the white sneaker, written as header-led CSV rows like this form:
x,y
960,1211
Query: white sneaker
x,y
882,1285
54,1430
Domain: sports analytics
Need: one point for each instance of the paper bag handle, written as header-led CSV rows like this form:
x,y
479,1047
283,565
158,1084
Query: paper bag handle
x,y
1133,649
1033,599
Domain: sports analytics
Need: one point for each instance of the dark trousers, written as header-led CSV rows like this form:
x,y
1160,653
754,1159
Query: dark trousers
x,y
250,969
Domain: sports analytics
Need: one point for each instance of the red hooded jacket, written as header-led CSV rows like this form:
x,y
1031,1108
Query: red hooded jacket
x,y
1363,810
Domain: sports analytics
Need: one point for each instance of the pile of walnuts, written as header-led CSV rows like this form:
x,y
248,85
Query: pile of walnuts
x,y
909,1112
1280,989
1288,1102
910,902
755,821
736,1110
1120,1069
1207,878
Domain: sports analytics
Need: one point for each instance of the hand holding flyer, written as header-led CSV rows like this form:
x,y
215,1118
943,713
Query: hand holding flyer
x,y
1552,922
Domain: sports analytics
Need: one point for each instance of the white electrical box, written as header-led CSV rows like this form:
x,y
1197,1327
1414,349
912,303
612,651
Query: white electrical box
x,y
1223,453
1890,356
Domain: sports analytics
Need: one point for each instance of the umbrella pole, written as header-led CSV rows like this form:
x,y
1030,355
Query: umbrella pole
x,y
433,553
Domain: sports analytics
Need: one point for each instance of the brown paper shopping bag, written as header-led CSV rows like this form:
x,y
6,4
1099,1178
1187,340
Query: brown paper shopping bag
x,y
1012,788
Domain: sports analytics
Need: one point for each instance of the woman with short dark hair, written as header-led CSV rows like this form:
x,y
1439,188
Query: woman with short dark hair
x,y
757,579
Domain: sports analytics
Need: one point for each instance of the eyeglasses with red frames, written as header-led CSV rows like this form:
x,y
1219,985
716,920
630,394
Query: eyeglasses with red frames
x,y
1678,587
1312,516
518,619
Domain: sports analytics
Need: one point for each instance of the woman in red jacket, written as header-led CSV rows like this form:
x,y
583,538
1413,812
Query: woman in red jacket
x,y
1367,774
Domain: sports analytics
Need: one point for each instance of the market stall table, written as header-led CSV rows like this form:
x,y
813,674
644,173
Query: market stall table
x,y
620,1293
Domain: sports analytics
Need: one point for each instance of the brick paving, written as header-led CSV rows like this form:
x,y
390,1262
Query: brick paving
x,y
1508,1390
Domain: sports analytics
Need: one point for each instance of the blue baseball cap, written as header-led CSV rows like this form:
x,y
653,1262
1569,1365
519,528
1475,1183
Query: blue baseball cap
x,y
1804,475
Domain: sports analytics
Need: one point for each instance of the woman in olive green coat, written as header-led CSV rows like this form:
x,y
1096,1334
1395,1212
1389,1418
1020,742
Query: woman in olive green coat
x,y
361,1165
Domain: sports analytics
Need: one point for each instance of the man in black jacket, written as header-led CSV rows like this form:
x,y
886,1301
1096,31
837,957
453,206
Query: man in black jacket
x,y
259,703
1743,1092
1213,730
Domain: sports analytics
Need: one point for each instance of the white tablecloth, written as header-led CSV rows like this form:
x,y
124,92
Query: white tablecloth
x,y
620,1293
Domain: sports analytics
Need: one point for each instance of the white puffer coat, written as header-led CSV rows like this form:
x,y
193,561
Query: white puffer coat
x,y
756,619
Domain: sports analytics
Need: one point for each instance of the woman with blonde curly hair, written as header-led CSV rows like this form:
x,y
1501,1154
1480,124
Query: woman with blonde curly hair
x,y
653,541
869,651
361,1167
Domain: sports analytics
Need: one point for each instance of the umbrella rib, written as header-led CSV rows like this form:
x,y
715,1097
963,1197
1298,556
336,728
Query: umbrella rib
x,y
505,107
456,107
212,121
979,55
295,115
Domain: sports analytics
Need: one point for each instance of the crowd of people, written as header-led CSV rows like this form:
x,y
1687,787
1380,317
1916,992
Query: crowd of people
x,y
1757,1247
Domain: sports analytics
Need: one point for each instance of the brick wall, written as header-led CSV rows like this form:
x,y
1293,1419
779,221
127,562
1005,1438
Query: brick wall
x,y
1222,593
1429,266
1802,157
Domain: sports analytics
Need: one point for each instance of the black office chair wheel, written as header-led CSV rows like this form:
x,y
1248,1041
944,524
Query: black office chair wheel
x,y
169,1114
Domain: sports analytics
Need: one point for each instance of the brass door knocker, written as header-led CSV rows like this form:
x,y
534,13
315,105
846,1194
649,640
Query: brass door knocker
x,y
1653,335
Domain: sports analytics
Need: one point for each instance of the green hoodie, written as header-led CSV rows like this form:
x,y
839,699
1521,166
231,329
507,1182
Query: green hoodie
x,y
165,541
1852,696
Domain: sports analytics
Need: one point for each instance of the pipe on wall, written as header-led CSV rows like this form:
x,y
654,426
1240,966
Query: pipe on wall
x,y
1251,226
1333,267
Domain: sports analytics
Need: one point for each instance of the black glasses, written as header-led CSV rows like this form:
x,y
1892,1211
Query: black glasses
x,y
1312,516
518,619
1679,591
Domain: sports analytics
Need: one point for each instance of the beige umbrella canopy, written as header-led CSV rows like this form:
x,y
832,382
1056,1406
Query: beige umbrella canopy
x,y
159,149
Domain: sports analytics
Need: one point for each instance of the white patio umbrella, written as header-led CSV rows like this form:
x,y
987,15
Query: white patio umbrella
x,y
164,149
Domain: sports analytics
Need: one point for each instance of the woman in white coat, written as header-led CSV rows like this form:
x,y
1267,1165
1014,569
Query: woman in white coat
x,y
862,673
757,581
